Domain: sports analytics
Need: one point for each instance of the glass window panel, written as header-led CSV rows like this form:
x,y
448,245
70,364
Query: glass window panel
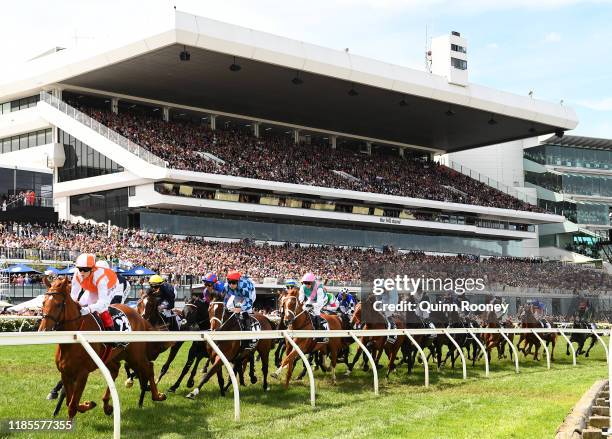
x,y
15,143
40,137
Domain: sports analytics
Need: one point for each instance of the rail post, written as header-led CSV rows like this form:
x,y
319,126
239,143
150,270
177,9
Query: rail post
x,y
567,340
370,359
544,346
460,353
514,350
306,365
484,350
423,356
230,371
603,343
109,382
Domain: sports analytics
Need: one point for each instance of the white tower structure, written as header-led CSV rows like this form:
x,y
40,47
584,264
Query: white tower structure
x,y
449,58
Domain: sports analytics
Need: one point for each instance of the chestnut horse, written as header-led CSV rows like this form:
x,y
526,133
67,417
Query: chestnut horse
x,y
295,317
222,319
61,313
377,345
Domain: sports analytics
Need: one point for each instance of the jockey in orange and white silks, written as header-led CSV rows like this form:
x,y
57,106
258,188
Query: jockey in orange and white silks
x,y
93,287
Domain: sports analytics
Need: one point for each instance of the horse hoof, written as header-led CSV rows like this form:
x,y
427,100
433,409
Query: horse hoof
x,y
347,373
172,389
267,389
193,394
108,410
51,396
253,379
274,375
129,383
190,383
160,397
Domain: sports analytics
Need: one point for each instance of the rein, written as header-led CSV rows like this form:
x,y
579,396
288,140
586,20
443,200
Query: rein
x,y
57,320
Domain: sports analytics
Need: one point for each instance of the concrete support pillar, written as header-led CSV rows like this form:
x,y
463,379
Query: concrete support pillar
x,y
333,140
296,136
369,148
256,126
166,114
115,105
213,122
57,92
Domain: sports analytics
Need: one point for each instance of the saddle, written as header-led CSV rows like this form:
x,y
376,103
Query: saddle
x,y
251,325
121,323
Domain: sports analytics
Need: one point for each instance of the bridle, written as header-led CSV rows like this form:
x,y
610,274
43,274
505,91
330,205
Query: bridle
x,y
222,320
62,310
292,311
197,308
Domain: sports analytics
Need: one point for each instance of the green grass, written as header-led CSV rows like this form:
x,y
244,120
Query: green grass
x,y
531,404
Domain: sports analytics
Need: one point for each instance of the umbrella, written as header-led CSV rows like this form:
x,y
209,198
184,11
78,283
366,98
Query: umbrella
x,y
19,268
67,271
35,303
139,271
51,270
118,269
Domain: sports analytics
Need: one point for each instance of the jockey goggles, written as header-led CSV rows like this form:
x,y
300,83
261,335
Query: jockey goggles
x,y
84,269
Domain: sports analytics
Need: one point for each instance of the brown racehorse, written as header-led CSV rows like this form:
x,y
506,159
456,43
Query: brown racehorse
x,y
528,320
377,345
223,320
61,312
295,317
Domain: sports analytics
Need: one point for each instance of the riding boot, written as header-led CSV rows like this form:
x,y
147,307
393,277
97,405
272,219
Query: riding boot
x,y
323,326
391,325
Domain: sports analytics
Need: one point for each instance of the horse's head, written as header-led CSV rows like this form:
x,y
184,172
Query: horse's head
x,y
291,306
195,314
356,318
58,307
216,314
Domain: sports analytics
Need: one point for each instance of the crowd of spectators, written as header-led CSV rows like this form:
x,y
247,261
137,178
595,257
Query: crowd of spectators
x,y
183,145
196,256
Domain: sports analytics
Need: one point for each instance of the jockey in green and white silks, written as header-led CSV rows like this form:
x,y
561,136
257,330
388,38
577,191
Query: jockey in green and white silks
x,y
313,297
331,303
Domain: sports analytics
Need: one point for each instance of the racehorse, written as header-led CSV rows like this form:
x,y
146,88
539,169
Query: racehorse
x,y
235,350
295,317
61,312
528,320
581,339
195,318
377,345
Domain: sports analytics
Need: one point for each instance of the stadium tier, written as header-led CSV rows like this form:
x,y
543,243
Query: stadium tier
x,y
338,265
232,142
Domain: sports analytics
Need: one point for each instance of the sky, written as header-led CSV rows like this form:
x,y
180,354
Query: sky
x,y
560,49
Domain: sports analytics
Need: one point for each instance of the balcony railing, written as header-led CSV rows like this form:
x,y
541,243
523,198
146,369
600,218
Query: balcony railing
x,y
103,130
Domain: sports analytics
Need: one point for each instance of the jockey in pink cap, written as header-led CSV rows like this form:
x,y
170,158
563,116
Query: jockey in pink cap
x,y
313,297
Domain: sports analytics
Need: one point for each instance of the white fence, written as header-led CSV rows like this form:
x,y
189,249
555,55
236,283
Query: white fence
x,y
211,337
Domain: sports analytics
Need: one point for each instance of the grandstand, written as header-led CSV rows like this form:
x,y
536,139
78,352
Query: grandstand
x,y
254,136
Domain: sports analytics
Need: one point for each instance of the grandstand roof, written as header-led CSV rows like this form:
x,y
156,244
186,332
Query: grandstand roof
x,y
263,88
580,142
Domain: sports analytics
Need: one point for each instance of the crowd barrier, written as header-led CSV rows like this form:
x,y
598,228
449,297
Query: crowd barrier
x,y
85,338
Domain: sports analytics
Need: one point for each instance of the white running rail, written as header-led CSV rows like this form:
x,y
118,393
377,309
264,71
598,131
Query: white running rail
x,y
87,337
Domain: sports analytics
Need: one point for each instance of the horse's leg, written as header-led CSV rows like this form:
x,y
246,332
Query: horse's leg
x,y
593,341
75,405
113,368
252,375
220,381
355,359
553,342
265,358
130,376
278,353
173,351
186,368
54,391
213,370
149,374
392,354
334,357
194,370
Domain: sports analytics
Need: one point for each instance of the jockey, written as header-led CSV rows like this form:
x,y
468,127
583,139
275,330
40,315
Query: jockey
x,y
291,284
313,296
240,293
213,288
346,301
165,295
122,289
331,303
93,288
